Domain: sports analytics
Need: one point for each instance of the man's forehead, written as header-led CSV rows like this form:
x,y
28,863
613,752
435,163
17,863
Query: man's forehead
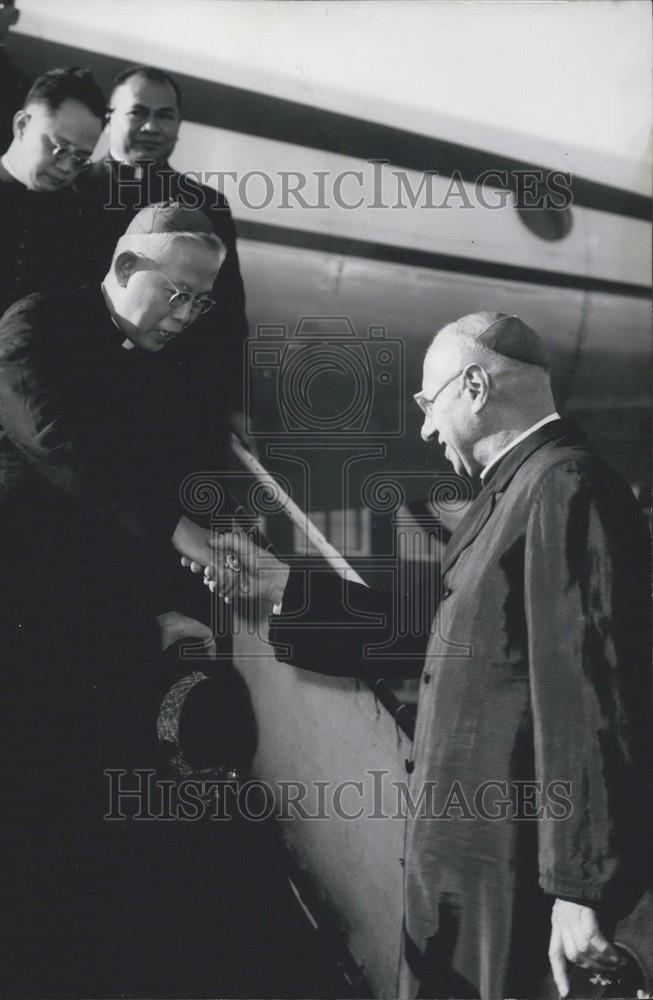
x,y
141,90
435,362
39,111
190,264
71,122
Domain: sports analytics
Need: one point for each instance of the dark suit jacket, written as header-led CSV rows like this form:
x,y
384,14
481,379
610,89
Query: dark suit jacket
x,y
112,197
537,671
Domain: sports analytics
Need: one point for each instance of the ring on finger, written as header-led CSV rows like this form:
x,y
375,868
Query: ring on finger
x,y
232,563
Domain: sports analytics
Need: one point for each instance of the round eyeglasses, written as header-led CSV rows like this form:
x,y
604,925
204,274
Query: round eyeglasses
x,y
425,400
59,151
199,304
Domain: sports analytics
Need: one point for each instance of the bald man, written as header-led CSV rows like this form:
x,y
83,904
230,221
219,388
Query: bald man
x,y
533,725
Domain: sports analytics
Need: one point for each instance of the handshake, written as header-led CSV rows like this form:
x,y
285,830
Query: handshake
x,y
231,563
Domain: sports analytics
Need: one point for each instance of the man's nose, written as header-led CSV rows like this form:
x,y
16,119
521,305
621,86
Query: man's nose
x,y
66,166
150,125
183,311
429,430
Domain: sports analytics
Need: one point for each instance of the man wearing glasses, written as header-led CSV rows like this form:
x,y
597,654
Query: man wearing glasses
x,y
97,431
536,675
44,237
144,120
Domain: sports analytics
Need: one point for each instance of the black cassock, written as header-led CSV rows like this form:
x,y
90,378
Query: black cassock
x,y
531,759
94,443
45,240
112,195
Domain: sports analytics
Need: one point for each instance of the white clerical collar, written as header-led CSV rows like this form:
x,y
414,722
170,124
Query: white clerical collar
x,y
139,171
127,344
521,437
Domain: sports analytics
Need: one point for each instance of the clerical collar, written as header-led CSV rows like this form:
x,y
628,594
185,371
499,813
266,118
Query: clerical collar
x,y
127,344
139,169
521,437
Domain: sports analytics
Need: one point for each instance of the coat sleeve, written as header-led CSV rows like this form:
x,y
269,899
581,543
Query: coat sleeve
x,y
343,629
34,418
585,600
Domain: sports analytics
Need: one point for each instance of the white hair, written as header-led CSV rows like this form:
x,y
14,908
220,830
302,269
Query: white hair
x,y
155,246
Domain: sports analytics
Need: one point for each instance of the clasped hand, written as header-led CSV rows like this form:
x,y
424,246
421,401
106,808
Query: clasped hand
x,y
238,567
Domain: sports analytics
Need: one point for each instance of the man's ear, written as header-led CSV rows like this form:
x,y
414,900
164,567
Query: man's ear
x,y
477,382
125,264
19,123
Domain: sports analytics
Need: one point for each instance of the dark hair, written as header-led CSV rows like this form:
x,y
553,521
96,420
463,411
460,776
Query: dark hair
x,y
72,83
150,73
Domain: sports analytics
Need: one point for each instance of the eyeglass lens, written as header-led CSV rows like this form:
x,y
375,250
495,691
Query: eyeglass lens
x,y
201,304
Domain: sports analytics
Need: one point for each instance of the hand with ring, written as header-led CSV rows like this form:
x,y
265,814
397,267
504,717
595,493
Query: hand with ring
x,y
242,566
259,573
232,564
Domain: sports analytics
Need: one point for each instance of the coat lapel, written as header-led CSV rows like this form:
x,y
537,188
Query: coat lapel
x,y
474,520
482,507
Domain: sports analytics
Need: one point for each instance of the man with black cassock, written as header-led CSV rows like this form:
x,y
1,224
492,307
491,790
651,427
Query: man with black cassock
x,y
536,675
97,431
44,237
143,124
